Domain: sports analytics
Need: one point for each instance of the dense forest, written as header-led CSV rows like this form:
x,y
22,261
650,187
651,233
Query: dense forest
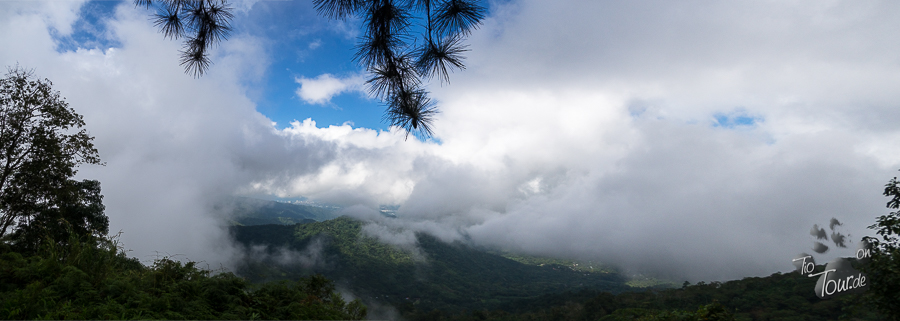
x,y
84,280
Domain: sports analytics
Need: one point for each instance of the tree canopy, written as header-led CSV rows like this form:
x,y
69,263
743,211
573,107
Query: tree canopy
x,y
41,144
97,281
884,266
397,60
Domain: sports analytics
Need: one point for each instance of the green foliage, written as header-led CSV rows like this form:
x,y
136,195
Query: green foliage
x,y
710,312
312,298
40,146
883,268
78,212
95,280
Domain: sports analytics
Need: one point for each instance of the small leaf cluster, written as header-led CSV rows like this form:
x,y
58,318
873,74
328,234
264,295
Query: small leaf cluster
x,y
398,60
201,23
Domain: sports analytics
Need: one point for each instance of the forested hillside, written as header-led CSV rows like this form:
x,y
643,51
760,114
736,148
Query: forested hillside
x,y
250,211
436,276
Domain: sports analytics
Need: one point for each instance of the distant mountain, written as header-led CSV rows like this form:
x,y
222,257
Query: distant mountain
x,y
251,211
435,275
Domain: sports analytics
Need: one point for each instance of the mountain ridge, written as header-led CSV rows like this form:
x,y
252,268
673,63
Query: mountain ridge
x,y
448,276
251,211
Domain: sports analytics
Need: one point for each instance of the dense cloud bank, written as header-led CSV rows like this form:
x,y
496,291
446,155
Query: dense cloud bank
x,y
700,140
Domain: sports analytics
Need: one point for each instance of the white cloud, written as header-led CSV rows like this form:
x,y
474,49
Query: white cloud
x,y
56,15
315,44
319,90
244,6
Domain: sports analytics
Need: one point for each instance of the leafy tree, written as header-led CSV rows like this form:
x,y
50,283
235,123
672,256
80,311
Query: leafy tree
x,y
397,60
884,267
40,146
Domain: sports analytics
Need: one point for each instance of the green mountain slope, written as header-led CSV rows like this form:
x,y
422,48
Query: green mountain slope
x,y
436,276
250,211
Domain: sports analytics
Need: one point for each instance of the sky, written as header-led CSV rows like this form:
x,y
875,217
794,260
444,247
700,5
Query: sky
x,y
696,140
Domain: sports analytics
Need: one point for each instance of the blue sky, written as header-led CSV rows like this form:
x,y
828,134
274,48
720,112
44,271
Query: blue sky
x,y
306,45
724,130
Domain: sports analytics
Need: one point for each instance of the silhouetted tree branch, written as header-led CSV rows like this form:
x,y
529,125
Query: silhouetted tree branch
x,y
397,60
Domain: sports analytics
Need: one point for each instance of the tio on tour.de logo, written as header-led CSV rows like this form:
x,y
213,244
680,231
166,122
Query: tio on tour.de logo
x,y
839,276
